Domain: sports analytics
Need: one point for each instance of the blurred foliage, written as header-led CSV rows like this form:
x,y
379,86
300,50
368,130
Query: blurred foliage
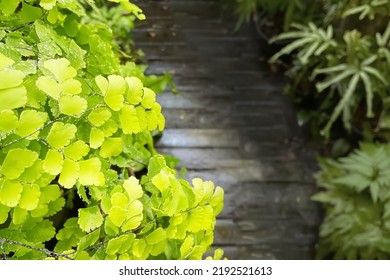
x,y
357,200
291,10
339,73
341,65
337,56
350,71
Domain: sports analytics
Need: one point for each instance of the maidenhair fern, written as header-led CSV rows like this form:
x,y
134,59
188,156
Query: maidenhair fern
x,y
357,200
76,122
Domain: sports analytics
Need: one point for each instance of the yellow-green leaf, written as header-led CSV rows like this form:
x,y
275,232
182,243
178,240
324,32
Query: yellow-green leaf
x,y
139,248
109,128
30,197
142,119
89,240
13,98
76,150
102,84
8,121
5,61
72,105
115,245
152,120
19,215
30,121
217,199
156,236
69,174
186,247
149,98
47,4
90,218
32,173
99,116
111,147
134,216
49,86
96,138
61,134
4,210
113,90
71,86
133,188
53,162
90,172
203,190
134,93
11,78
60,68
200,218
16,161
117,215
129,120
10,192
120,200
161,181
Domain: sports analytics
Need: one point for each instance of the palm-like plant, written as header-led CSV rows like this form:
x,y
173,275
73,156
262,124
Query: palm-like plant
x,y
308,40
356,195
245,9
353,68
368,9
358,69
383,43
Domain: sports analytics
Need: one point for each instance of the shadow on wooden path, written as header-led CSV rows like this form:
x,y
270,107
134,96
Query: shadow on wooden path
x,y
231,124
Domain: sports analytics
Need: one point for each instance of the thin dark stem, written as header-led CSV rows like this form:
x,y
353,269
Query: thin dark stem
x,y
46,251
3,253
47,124
102,243
32,133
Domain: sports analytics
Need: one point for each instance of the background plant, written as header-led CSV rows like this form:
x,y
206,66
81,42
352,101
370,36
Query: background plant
x,y
357,200
351,70
346,59
76,126
348,68
290,11
338,64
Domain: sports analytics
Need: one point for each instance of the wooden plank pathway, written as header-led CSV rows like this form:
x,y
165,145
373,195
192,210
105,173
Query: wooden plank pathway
x,y
231,124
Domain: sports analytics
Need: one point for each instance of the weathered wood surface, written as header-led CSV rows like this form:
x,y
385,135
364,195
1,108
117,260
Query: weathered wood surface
x,y
232,125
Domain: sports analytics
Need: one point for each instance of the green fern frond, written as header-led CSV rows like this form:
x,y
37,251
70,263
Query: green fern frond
x,y
357,202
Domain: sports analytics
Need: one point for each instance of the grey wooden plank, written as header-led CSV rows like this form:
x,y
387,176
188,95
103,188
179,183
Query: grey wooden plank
x,y
199,138
201,91
195,118
279,199
268,251
253,170
179,101
232,125
165,52
175,68
267,230
209,9
216,158
206,158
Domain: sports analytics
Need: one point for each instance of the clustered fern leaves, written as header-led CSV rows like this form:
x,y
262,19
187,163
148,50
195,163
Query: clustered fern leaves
x,y
339,64
357,202
352,68
246,9
77,122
